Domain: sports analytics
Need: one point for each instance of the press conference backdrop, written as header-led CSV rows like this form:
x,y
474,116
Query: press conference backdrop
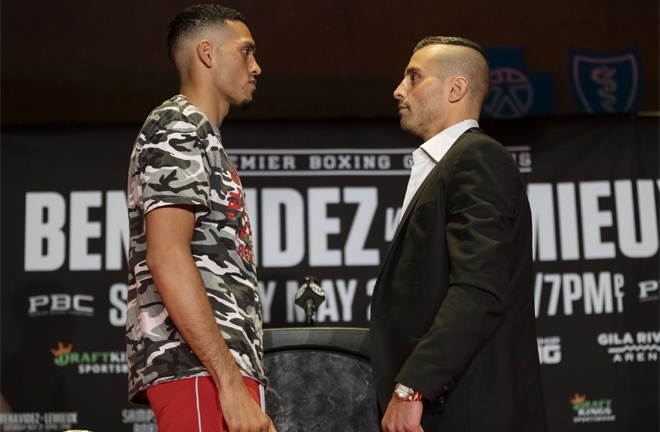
x,y
324,198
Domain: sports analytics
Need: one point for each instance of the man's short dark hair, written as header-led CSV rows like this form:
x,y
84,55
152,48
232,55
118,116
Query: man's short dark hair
x,y
449,40
195,18
479,76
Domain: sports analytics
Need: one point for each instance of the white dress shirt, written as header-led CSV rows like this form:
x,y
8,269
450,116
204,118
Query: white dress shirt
x,y
429,154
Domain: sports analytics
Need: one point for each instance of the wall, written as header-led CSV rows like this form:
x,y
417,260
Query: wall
x,y
105,62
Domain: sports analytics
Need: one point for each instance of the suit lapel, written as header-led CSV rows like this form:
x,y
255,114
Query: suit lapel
x,y
415,198
405,217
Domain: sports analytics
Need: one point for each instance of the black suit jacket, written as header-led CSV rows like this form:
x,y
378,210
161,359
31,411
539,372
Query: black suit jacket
x,y
453,308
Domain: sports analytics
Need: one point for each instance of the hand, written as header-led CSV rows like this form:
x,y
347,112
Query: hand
x,y
243,414
403,416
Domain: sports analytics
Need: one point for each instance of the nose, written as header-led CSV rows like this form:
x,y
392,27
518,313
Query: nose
x,y
400,92
256,70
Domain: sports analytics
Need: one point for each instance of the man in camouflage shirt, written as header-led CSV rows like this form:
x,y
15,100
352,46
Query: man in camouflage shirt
x,y
194,323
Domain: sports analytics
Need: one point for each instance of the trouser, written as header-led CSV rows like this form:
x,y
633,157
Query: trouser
x,y
192,404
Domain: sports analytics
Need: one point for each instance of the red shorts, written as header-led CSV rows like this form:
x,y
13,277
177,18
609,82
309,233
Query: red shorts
x,y
192,404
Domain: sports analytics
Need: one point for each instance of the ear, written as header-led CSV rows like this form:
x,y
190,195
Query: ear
x,y
458,90
205,52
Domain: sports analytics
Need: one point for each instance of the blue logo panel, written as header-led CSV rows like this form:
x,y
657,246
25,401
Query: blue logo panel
x,y
606,82
514,92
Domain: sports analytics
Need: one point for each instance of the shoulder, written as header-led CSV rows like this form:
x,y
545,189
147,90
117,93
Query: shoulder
x,y
175,119
476,144
477,137
476,154
175,112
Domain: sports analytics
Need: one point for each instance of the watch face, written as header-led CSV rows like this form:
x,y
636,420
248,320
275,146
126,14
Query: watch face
x,y
402,391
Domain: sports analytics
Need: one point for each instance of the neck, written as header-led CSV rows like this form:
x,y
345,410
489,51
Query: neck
x,y
214,110
446,125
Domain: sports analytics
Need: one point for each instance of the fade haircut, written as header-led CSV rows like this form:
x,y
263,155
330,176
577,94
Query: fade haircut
x,y
450,40
195,18
475,67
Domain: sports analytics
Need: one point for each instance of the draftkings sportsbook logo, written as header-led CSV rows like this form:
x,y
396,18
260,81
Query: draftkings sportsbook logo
x,y
592,411
95,362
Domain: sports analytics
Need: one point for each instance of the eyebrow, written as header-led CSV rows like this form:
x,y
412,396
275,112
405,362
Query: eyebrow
x,y
411,69
246,43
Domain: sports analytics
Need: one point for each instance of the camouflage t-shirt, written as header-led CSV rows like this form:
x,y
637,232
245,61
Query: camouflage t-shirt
x,y
178,158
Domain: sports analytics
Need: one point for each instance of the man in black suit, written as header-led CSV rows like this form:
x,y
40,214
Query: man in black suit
x,y
453,342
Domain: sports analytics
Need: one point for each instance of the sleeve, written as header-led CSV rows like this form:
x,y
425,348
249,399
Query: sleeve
x,y
173,169
482,198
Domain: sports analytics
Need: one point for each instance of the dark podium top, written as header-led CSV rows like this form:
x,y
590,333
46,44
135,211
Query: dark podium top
x,y
320,380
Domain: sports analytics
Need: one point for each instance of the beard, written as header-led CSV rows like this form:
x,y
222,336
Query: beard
x,y
407,125
245,104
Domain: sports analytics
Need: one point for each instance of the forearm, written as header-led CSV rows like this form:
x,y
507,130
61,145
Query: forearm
x,y
180,285
465,321
183,293
170,231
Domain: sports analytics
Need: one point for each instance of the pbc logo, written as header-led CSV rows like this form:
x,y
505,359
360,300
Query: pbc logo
x,y
648,290
60,304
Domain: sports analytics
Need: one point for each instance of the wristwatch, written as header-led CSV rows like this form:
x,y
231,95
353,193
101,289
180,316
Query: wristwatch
x,y
406,394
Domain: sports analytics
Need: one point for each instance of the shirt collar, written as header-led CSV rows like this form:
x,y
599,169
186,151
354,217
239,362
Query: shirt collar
x,y
436,147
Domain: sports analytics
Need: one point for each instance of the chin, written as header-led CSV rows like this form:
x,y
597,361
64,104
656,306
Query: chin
x,y
406,126
245,104
411,129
